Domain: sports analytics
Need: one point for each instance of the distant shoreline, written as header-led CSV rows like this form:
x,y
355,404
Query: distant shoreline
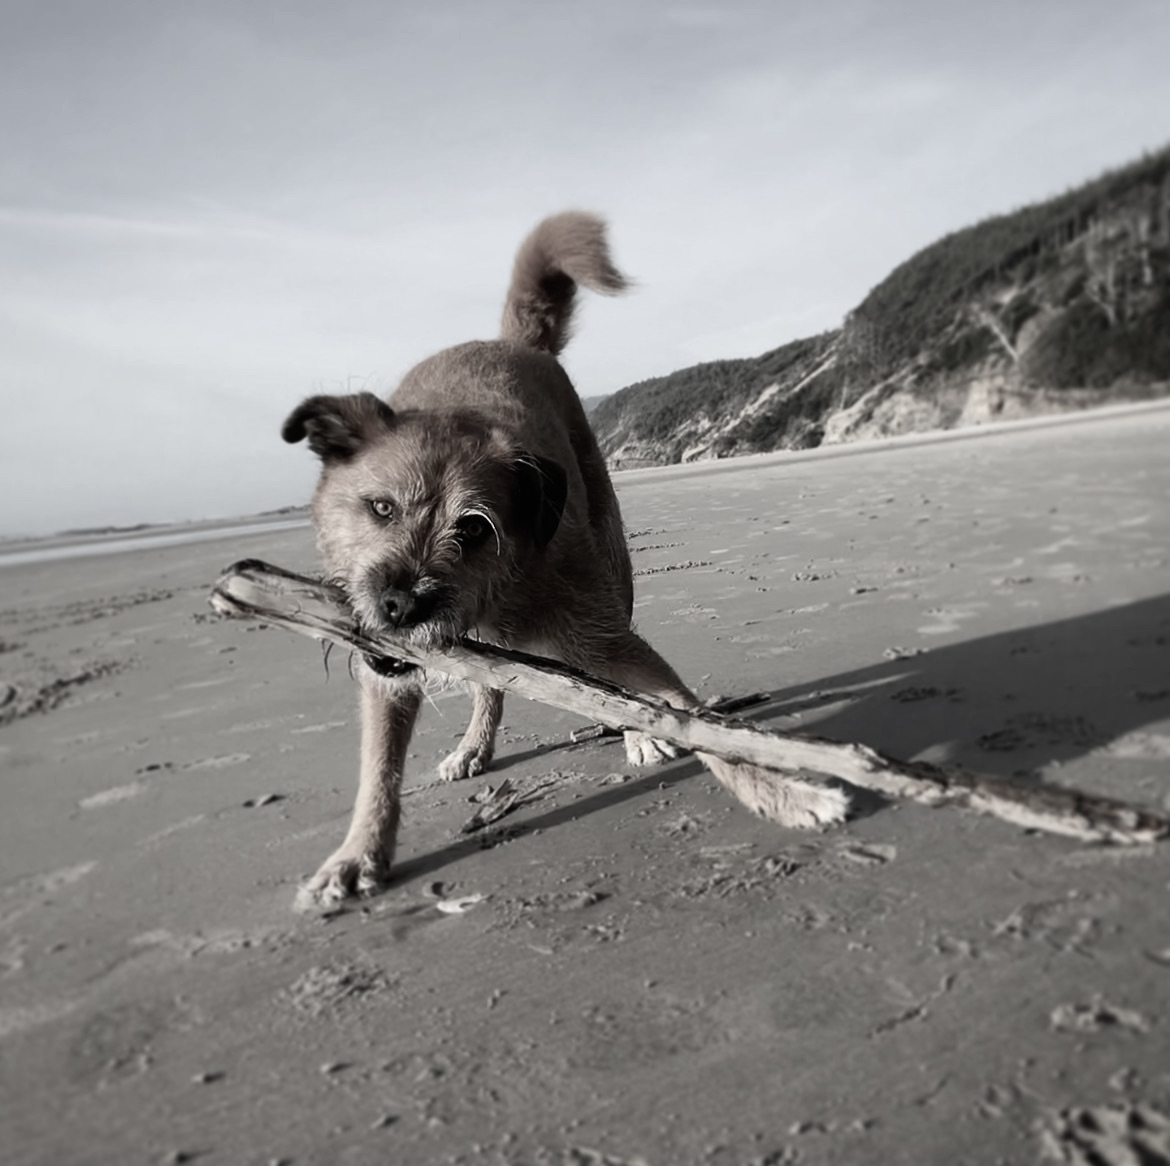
x,y
143,536
117,540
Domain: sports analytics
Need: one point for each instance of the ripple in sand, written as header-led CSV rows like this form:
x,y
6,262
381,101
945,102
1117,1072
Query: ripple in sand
x,y
109,797
224,762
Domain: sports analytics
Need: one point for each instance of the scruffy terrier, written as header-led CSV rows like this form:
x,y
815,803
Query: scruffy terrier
x,y
476,502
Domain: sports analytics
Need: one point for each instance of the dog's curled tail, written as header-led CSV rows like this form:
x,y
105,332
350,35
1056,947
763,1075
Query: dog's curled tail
x,y
563,251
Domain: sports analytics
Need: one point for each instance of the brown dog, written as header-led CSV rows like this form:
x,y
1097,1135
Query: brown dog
x,y
477,503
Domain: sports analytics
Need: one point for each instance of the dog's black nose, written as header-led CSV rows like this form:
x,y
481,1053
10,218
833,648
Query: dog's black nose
x,y
401,609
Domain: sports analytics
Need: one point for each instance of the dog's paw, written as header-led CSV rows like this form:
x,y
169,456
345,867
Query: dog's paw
x,y
346,874
642,749
793,802
463,763
789,801
809,806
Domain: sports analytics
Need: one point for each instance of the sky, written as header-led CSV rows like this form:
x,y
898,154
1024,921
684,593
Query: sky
x,y
211,209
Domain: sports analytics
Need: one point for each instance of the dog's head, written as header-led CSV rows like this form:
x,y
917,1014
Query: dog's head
x,y
426,519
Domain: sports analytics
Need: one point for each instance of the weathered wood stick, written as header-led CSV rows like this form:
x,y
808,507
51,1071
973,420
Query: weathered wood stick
x,y
254,589
724,705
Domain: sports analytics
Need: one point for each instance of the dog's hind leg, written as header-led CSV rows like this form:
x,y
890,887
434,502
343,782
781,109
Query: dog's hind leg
x,y
474,752
790,801
361,864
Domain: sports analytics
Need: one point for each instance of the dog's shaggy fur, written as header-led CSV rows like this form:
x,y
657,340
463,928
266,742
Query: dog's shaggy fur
x,y
476,502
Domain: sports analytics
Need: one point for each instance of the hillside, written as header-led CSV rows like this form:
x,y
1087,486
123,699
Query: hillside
x,y
1059,305
591,403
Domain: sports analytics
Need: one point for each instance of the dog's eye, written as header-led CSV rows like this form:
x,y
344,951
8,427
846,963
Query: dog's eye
x,y
381,508
471,530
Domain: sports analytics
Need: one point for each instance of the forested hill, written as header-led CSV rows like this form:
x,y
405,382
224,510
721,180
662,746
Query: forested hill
x,y
1059,305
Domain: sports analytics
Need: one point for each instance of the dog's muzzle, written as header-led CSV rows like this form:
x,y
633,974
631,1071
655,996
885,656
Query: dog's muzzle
x,y
403,608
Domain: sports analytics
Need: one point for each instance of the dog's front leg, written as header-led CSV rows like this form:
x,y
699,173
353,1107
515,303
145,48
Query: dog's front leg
x,y
475,751
362,863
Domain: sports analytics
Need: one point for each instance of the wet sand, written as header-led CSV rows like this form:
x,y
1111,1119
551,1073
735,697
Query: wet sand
x,y
651,975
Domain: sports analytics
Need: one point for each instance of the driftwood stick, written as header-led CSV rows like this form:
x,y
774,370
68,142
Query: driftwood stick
x,y
724,705
254,589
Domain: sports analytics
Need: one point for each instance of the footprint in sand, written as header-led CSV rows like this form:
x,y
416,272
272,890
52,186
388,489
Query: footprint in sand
x,y
1097,1016
1107,1135
327,988
1034,730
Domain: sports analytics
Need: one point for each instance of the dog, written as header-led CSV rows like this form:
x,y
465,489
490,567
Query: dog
x,y
475,502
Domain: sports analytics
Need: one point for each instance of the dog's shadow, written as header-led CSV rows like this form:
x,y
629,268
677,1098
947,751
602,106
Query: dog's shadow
x,y
1009,704
511,828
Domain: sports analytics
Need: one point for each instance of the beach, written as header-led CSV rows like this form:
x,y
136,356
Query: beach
x,y
630,969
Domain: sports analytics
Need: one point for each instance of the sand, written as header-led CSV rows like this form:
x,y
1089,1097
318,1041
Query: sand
x,y
628,968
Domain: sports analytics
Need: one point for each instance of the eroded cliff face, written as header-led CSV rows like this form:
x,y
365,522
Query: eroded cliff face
x,y
1065,305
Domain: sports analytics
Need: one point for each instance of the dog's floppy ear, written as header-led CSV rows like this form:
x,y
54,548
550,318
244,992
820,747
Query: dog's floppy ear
x,y
337,427
541,489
